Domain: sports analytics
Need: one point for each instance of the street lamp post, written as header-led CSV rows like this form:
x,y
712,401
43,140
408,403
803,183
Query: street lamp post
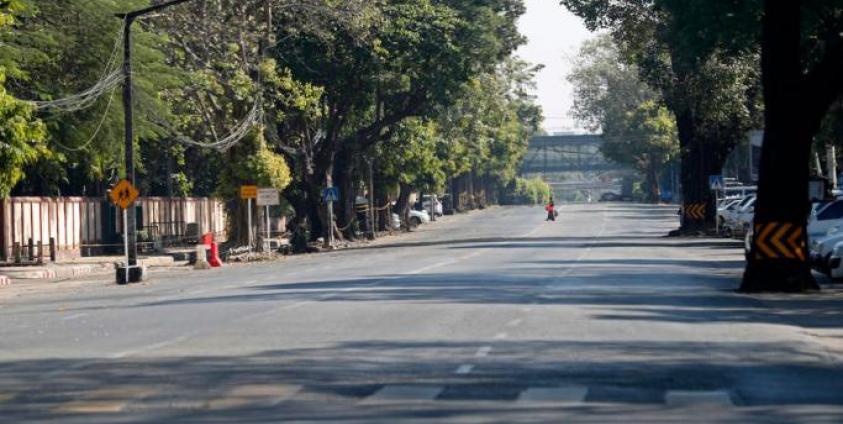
x,y
134,272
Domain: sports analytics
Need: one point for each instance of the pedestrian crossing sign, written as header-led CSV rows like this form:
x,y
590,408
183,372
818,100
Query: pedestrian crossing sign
x,y
715,182
124,194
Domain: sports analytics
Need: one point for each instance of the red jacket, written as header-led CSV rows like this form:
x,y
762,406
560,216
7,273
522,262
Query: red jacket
x,y
549,208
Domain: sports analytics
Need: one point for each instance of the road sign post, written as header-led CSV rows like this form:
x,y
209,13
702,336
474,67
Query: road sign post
x,y
129,137
330,195
123,195
268,197
716,183
249,192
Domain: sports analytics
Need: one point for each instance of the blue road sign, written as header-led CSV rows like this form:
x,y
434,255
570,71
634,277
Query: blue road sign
x,y
331,194
715,182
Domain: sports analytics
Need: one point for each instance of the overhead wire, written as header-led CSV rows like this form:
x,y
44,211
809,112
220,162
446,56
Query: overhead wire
x,y
111,77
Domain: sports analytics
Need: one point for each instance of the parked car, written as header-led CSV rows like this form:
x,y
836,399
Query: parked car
x,y
739,220
823,218
834,265
610,197
432,204
725,208
419,217
821,249
416,218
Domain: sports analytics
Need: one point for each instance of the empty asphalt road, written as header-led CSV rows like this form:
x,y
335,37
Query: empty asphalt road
x,y
493,317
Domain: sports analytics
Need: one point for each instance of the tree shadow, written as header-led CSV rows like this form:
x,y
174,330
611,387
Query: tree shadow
x,y
329,383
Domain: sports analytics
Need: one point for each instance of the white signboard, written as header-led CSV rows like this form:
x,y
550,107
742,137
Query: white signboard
x,y
268,197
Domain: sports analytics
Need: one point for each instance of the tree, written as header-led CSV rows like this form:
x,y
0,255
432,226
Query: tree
x,y
648,143
64,48
401,59
21,135
679,57
802,60
610,97
231,98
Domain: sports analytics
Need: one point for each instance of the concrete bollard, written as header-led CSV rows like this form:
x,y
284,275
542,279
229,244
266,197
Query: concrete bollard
x,y
52,249
201,259
215,256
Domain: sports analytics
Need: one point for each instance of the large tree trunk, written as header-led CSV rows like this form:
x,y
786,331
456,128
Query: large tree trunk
x,y
402,205
778,258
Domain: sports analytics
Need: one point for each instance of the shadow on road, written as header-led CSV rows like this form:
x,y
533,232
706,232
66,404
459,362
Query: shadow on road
x,y
327,383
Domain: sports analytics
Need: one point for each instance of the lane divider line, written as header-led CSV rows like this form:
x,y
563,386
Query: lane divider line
x,y
464,369
483,352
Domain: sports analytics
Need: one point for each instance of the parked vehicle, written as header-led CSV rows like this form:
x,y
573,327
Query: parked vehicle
x,y
726,206
432,204
834,264
416,218
738,220
823,218
610,197
821,249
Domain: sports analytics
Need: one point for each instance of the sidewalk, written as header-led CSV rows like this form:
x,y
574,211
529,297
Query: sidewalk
x,y
76,267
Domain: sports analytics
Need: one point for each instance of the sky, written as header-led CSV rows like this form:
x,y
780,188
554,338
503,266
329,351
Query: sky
x,y
555,36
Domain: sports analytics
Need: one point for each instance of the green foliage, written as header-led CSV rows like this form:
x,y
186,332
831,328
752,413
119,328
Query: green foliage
x,y
522,191
62,48
255,164
21,135
411,156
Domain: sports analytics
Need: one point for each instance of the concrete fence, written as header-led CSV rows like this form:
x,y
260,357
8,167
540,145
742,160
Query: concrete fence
x,y
79,225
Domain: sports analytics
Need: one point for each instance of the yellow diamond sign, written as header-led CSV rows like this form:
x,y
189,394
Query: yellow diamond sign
x,y
124,194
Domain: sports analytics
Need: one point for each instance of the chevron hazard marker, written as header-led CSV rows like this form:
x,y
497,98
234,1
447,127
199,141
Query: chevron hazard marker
x,y
695,211
779,240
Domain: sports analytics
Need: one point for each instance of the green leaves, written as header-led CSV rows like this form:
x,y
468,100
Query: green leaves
x,y
21,135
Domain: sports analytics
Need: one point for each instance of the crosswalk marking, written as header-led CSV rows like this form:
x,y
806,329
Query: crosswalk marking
x,y
686,398
570,394
253,395
407,393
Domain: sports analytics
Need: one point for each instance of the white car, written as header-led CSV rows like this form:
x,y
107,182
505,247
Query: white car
x,y
431,203
740,219
821,249
416,218
824,218
730,213
835,262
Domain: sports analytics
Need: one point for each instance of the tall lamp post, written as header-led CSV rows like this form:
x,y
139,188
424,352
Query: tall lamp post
x,y
135,273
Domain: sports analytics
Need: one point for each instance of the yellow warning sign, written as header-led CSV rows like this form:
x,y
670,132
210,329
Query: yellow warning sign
x,y
248,192
124,194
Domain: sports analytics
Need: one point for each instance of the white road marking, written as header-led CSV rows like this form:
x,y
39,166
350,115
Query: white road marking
x,y
73,317
556,395
515,323
403,394
720,398
501,336
483,352
464,369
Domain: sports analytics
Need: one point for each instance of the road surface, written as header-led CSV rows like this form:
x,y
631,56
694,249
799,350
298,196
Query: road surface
x,y
493,317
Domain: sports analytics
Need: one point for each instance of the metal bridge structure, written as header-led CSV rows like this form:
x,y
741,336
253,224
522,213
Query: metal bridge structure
x,y
566,153
573,165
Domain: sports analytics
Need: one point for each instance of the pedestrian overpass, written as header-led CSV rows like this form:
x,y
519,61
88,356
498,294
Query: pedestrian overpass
x,y
573,165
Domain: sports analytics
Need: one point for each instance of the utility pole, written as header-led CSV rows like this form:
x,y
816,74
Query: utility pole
x,y
131,215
